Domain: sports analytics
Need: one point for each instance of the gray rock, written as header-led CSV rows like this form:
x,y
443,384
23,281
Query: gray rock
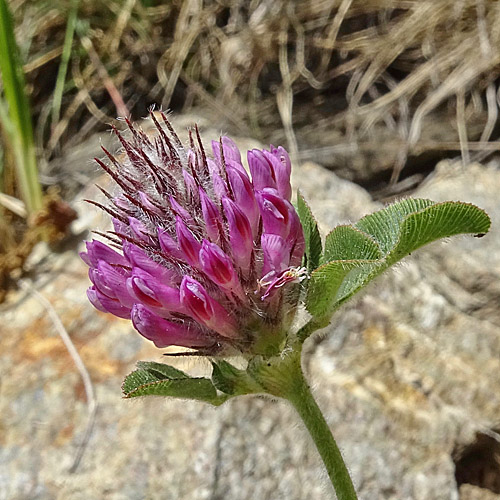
x,y
405,375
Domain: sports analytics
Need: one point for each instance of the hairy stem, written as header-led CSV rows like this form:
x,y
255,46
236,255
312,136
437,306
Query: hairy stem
x,y
285,379
303,401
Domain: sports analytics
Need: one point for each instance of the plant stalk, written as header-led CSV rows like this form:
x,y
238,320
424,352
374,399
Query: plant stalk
x,y
300,396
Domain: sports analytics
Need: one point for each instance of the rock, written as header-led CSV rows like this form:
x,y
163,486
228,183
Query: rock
x,y
469,492
406,375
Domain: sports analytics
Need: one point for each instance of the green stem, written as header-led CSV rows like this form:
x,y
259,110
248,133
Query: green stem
x,y
295,388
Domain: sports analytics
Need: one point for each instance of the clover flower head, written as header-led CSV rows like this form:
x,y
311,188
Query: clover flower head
x,y
202,254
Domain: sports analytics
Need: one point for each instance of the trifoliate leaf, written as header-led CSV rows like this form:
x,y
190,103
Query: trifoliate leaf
x,y
356,255
435,222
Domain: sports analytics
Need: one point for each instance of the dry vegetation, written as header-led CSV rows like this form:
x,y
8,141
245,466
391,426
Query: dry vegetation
x,y
363,73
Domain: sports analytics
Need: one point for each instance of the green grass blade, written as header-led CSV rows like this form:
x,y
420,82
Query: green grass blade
x,y
19,122
63,66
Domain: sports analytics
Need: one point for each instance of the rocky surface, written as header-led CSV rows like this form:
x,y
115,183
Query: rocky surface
x,y
407,375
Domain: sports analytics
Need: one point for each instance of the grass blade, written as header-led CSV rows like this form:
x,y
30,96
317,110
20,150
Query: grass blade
x,y
19,116
63,66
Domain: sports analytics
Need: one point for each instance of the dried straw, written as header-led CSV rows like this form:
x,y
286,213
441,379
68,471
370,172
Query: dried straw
x,y
273,68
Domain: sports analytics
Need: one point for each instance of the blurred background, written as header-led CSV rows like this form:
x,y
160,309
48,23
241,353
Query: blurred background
x,y
374,99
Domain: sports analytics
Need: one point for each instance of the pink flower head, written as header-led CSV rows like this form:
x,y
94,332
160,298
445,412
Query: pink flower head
x,y
202,255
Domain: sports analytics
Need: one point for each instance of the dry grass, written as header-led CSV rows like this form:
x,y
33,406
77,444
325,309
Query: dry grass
x,y
271,68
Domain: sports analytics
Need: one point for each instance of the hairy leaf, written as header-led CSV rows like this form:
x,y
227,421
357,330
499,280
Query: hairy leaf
x,y
311,233
157,379
161,370
435,222
355,255
230,380
349,243
384,225
325,283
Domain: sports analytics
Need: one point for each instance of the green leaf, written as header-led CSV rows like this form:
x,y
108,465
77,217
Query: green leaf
x,y
325,283
440,220
224,376
230,380
357,279
311,233
161,370
157,379
384,225
348,243
357,254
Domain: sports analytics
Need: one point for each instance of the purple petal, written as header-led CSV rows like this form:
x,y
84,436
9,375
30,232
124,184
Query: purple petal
x,y
273,281
236,166
115,279
122,203
276,253
146,201
92,295
119,226
296,240
244,196
100,284
211,216
190,185
281,174
139,258
240,234
275,212
282,155
96,251
220,186
229,148
85,257
113,306
205,309
140,230
168,244
164,333
213,167
262,174
219,268
188,244
181,211
152,293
